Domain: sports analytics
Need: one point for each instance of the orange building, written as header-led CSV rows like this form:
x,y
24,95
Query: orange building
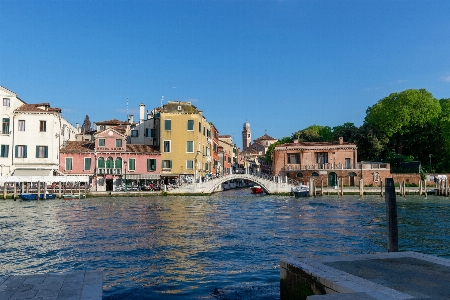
x,y
325,162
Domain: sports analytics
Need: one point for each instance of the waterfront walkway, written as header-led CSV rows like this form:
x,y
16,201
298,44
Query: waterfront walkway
x,y
81,285
383,276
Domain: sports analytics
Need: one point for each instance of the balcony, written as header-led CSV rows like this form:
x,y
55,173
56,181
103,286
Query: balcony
x,y
337,166
109,171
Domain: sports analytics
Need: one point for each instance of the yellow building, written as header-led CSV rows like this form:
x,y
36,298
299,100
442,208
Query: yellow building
x,y
185,143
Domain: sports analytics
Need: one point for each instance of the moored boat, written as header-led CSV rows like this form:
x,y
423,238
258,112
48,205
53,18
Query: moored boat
x,y
28,196
73,196
300,191
47,196
256,189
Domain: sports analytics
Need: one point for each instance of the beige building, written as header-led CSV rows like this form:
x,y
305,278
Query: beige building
x,y
185,142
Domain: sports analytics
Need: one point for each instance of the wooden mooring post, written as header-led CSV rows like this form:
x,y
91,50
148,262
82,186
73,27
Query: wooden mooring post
x,y
381,185
391,216
5,190
361,188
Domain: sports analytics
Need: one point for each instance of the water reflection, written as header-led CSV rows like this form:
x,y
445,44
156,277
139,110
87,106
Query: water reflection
x,y
226,246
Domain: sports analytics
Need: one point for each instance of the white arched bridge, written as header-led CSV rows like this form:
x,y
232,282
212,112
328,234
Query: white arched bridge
x,y
270,185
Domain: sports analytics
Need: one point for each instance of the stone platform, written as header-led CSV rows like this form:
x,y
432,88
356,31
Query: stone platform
x,y
383,276
81,285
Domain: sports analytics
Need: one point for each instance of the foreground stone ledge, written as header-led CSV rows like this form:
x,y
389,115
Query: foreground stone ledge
x,y
383,276
82,285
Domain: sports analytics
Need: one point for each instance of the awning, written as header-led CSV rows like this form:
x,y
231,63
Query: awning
x,y
32,172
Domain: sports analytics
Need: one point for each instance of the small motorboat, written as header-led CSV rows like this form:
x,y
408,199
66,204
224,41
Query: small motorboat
x,y
300,191
256,189
73,196
28,196
47,196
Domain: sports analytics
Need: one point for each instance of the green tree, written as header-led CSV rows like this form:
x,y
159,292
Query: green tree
x,y
404,111
314,133
371,143
268,155
348,131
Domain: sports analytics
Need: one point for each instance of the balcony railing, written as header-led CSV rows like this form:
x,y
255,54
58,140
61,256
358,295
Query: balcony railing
x,y
337,166
109,171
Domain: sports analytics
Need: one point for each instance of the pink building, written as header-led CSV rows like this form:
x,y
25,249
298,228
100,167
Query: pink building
x,y
109,161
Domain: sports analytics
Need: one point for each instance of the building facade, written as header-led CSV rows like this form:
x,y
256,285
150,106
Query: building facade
x,y
31,137
185,143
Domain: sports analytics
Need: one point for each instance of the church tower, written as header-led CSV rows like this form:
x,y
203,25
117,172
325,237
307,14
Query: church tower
x,y
246,136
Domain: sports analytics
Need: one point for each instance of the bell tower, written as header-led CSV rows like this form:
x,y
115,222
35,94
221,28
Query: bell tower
x,y
246,136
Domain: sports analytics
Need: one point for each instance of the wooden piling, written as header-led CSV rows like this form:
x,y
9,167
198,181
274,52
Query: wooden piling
x,y
381,185
39,190
15,191
420,187
361,188
342,187
425,188
59,188
391,216
45,190
311,187
321,189
5,190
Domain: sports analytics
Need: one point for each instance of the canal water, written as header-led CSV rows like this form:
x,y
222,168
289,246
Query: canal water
x,y
224,246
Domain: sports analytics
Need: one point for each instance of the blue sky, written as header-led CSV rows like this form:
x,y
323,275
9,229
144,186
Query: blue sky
x,y
280,65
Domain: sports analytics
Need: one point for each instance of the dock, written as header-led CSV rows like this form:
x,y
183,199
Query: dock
x,y
80,285
382,276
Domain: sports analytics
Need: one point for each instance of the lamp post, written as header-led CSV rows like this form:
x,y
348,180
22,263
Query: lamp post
x,y
1,169
125,164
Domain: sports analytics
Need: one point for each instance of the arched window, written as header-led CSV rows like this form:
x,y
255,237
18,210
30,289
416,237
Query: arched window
x,y
299,174
101,162
352,174
118,163
315,174
110,163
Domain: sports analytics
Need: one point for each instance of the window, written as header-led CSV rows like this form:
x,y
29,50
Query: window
x,y
119,143
199,127
87,163
190,147
167,164
41,151
6,102
151,164
190,125
21,151
101,162
5,126
21,125
42,126
167,124
110,163
132,164
189,164
118,163
4,151
321,157
294,158
101,142
166,146
347,163
150,132
68,163
134,133
204,131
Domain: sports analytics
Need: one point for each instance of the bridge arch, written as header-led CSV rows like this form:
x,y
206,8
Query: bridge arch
x,y
269,185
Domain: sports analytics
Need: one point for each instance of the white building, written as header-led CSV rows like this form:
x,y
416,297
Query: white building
x,y
31,136
145,130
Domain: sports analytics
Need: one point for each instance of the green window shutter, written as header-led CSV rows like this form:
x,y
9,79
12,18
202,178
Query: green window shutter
x,y
16,151
37,151
87,163
170,164
46,152
149,165
25,151
153,164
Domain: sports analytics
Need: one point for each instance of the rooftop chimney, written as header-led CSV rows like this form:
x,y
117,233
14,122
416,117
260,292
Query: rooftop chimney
x,y
341,140
141,112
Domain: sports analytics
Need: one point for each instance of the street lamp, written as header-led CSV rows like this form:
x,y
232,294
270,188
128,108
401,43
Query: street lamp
x,y
125,164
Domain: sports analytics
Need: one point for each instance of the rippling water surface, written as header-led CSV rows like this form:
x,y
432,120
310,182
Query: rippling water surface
x,y
226,246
